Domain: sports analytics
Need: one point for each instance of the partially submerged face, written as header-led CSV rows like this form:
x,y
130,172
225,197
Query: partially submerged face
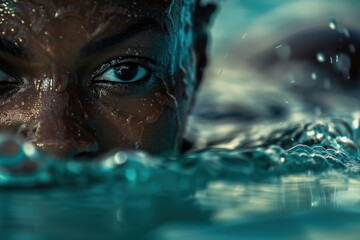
x,y
80,78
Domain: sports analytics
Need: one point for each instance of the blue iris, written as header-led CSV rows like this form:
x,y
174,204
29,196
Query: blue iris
x,y
125,74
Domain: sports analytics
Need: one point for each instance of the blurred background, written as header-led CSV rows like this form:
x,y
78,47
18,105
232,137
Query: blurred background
x,y
273,61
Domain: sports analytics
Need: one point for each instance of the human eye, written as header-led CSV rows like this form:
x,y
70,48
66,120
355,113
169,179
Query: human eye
x,y
123,72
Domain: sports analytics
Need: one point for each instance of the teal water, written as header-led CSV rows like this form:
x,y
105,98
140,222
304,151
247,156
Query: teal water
x,y
300,182
278,160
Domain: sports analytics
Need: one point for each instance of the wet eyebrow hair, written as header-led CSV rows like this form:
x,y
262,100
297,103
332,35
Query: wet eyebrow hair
x,y
108,43
10,47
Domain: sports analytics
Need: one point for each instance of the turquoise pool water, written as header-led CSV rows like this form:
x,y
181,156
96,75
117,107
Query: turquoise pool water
x,y
269,161
300,182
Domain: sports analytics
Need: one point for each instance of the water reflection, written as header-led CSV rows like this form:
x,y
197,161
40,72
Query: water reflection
x,y
310,203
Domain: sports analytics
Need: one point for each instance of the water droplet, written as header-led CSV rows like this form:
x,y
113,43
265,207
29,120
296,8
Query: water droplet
x,y
320,56
332,23
244,36
29,149
120,158
313,76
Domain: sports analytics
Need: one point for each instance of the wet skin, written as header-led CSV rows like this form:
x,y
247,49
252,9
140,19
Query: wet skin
x,y
80,78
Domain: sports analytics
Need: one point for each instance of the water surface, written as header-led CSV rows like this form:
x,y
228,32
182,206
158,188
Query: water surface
x,y
275,146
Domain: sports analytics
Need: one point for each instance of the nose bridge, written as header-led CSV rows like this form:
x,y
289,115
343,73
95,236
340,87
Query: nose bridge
x,y
53,78
60,127
55,85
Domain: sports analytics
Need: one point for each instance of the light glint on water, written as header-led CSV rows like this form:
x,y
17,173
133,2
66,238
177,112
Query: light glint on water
x,y
332,23
320,57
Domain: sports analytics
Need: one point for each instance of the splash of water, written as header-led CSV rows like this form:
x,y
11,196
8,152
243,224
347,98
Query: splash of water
x,y
324,144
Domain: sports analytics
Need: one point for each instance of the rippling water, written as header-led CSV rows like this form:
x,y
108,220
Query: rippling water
x,y
278,160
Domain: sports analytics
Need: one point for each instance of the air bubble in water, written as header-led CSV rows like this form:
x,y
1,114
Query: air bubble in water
x,y
332,23
320,56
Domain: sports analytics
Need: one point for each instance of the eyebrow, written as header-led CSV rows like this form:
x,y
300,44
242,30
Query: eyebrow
x,y
10,47
108,43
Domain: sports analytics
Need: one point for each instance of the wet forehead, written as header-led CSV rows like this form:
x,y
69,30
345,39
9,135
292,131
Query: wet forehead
x,y
43,19
86,6
36,14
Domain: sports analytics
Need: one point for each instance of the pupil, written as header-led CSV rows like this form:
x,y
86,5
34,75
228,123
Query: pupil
x,y
126,73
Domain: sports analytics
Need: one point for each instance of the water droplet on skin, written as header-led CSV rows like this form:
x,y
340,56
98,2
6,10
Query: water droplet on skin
x,y
320,56
332,23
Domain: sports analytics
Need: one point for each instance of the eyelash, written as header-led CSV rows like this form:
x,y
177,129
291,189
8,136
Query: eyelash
x,y
148,64
9,70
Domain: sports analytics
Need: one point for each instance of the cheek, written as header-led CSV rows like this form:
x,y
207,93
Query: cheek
x,y
17,110
147,122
